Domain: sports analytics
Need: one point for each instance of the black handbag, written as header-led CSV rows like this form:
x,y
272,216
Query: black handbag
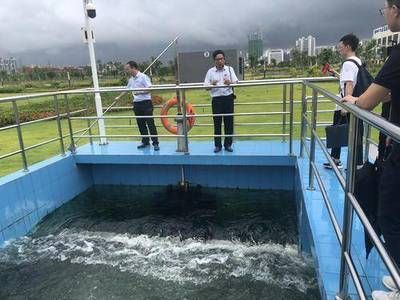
x,y
337,136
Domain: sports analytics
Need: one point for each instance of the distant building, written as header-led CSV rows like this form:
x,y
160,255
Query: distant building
x,y
255,44
384,37
8,64
287,55
277,55
306,45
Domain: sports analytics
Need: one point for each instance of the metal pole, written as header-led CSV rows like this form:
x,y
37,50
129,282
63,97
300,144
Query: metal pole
x,y
57,109
88,121
179,121
348,208
303,121
72,147
314,127
185,127
367,143
161,54
20,138
284,110
291,119
99,106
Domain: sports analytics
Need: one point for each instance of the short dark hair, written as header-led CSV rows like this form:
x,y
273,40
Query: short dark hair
x,y
133,64
217,52
393,2
351,40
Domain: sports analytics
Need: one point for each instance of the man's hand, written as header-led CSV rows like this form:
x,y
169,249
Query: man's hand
x,y
214,82
227,82
350,99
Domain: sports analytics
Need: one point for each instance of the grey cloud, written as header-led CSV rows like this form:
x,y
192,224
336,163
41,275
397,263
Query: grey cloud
x,y
48,30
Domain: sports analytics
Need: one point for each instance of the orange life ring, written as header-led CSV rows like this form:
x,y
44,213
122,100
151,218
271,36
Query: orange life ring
x,y
173,128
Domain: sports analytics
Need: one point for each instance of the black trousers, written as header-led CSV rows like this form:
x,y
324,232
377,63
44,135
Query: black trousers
x,y
223,105
338,119
389,204
146,125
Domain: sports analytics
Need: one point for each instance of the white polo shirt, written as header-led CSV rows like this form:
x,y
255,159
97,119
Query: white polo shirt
x,y
215,74
349,72
139,81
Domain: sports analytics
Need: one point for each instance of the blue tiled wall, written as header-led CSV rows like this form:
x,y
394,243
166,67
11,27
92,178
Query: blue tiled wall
x,y
254,177
25,198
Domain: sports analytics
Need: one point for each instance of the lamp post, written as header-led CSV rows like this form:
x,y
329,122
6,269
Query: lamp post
x,y
90,13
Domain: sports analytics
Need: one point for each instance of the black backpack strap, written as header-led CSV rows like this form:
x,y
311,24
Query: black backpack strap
x,y
353,61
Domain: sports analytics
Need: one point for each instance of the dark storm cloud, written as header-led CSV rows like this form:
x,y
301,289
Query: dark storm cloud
x,y
44,31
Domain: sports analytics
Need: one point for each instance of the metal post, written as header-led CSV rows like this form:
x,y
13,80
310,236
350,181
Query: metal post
x,y
88,121
99,106
179,120
348,208
284,110
20,138
291,119
185,127
303,122
60,134
71,147
367,143
313,128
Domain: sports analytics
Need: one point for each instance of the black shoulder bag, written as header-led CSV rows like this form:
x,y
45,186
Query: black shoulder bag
x,y
230,76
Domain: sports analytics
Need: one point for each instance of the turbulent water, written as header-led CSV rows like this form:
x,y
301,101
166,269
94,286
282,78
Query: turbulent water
x,y
157,243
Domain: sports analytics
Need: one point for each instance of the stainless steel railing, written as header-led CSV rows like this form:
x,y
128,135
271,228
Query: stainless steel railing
x,y
319,95
351,204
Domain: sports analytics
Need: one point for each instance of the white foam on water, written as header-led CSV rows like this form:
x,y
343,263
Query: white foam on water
x,y
168,258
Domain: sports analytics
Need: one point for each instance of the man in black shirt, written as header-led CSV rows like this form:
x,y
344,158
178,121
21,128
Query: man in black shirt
x,y
385,88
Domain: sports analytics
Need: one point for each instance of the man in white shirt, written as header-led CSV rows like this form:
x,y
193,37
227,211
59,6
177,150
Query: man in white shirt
x,y
142,105
348,80
222,99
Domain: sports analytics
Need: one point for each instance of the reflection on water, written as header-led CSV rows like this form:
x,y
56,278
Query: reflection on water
x,y
118,242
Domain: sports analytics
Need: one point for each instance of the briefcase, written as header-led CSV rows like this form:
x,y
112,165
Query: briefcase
x,y
337,136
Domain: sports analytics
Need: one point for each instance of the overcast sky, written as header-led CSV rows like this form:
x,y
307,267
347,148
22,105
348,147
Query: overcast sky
x,y
48,31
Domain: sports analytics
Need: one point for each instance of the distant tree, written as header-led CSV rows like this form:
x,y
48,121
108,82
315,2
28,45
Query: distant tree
x,y
328,56
3,77
253,61
367,52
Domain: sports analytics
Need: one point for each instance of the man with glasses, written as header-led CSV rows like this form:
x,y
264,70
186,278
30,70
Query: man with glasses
x,y
142,105
222,99
348,79
385,88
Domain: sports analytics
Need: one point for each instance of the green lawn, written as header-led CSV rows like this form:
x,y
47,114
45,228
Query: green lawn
x,y
40,132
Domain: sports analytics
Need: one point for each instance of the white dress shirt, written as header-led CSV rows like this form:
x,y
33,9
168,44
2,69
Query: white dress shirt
x,y
139,81
220,75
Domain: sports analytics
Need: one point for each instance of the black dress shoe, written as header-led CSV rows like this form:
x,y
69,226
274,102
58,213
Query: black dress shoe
x,y
142,146
217,149
156,147
229,149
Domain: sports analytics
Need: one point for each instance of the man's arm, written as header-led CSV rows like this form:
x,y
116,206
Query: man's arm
x,y
349,88
334,73
146,83
207,81
371,98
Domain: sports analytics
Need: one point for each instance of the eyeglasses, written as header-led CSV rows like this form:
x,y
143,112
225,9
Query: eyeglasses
x,y
382,11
